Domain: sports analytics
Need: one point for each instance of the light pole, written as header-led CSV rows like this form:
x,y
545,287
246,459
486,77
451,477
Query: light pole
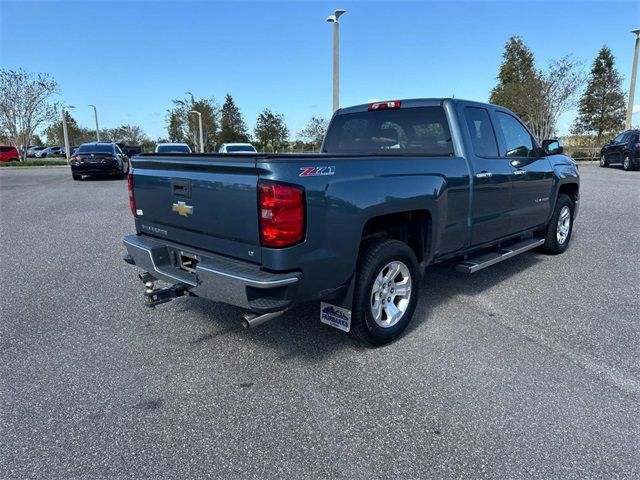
x,y
336,55
200,128
65,132
95,113
634,70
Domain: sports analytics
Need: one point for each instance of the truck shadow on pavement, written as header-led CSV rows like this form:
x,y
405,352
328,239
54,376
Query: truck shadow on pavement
x,y
299,333
442,284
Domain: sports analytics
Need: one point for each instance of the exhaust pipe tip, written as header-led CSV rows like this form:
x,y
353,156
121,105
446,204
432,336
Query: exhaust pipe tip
x,y
250,320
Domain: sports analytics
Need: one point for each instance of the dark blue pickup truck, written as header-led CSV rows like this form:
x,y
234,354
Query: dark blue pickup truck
x,y
399,185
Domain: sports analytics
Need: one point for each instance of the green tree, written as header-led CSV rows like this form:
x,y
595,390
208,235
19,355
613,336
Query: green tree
x,y
602,105
560,85
232,126
271,131
129,134
77,134
519,82
313,133
182,126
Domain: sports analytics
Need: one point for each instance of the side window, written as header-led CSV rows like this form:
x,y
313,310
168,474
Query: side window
x,y
481,132
518,141
619,138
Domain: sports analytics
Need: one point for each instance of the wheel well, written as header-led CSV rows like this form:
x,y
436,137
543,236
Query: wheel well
x,y
412,227
570,189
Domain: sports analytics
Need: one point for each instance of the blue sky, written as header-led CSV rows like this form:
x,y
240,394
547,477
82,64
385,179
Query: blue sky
x,y
131,58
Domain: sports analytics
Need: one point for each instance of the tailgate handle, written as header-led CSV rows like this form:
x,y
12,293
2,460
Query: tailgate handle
x,y
181,188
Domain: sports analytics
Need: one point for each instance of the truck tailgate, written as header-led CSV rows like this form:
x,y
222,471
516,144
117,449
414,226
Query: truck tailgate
x,y
206,202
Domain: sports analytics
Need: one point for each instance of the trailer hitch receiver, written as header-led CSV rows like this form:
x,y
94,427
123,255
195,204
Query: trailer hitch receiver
x,y
156,296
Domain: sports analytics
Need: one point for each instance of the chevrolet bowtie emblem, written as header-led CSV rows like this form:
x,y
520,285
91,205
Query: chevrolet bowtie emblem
x,y
182,208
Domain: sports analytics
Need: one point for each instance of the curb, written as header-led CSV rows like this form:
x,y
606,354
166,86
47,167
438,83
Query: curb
x,y
33,166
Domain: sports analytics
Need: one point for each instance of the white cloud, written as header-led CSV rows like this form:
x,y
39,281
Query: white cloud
x,y
635,109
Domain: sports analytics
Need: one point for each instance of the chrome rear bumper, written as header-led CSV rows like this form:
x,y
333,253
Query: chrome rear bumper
x,y
214,277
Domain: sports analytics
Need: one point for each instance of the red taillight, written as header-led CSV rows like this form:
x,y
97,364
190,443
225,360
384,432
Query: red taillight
x,y
384,105
281,214
132,202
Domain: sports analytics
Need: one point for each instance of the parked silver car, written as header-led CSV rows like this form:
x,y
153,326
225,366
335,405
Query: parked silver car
x,y
50,152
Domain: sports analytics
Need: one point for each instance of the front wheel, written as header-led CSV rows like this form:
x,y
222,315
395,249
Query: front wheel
x,y
76,176
558,233
626,164
603,161
386,291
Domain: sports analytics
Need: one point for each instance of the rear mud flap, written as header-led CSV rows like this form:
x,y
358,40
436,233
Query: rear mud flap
x,y
338,313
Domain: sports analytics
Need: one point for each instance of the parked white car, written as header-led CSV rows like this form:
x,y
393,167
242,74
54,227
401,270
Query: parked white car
x,y
172,148
237,148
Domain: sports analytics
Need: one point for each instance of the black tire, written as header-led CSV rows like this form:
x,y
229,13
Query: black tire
x,y
76,176
374,257
627,164
552,244
603,161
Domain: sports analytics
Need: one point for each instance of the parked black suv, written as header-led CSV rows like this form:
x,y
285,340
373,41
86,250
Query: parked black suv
x,y
624,149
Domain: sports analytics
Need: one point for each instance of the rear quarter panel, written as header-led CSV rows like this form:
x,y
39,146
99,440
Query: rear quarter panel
x,y
339,206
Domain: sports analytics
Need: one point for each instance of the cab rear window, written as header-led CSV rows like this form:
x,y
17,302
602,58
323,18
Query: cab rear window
x,y
411,131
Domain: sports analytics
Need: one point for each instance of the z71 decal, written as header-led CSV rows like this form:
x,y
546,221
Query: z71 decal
x,y
316,171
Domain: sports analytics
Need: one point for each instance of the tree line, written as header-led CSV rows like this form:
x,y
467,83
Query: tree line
x,y
29,115
226,125
538,96
126,133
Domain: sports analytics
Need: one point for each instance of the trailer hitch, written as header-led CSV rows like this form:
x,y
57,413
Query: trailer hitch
x,y
156,296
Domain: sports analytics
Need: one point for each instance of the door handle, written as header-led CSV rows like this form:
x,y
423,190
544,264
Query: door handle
x,y
484,175
520,172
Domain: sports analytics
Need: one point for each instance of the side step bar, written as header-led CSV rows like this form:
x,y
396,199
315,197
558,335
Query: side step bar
x,y
472,265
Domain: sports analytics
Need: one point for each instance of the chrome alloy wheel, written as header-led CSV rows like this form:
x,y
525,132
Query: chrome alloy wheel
x,y
391,294
564,225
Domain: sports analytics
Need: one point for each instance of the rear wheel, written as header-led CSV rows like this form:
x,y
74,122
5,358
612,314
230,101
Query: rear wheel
x,y
626,163
603,161
386,291
558,233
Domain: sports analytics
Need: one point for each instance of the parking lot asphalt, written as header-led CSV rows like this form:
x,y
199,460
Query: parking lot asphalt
x,y
529,369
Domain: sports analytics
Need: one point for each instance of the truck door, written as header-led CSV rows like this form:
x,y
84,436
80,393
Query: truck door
x,y
532,174
491,178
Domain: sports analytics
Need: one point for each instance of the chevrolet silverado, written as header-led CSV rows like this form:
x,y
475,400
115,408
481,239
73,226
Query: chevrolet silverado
x,y
399,185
